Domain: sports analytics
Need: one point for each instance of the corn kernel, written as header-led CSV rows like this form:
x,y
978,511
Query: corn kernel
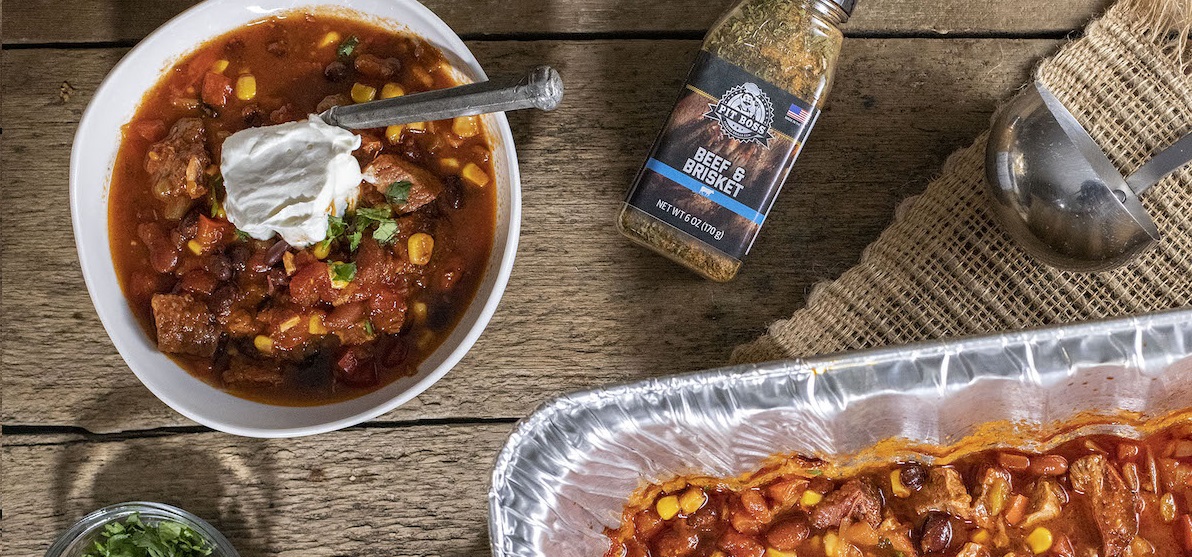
x,y
449,164
362,93
331,38
420,311
667,507
289,323
195,247
421,245
981,536
1167,508
831,544
246,87
417,126
692,500
771,552
263,343
219,66
315,325
473,174
466,126
1039,540
896,486
393,133
321,249
390,90
287,261
811,499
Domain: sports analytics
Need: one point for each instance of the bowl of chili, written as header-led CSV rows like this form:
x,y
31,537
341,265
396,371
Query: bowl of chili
x,y
229,379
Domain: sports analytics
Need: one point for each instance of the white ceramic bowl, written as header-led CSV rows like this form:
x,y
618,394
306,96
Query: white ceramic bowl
x,y
91,163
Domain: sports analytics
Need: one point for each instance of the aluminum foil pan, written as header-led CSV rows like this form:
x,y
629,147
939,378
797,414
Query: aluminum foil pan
x,y
567,470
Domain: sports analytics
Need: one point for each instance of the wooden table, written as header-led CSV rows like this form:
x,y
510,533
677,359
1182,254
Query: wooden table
x,y
918,79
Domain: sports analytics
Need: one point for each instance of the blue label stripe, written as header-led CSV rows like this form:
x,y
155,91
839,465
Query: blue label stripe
x,y
709,192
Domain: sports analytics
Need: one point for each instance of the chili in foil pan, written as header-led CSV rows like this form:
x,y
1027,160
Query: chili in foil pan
x,y
568,469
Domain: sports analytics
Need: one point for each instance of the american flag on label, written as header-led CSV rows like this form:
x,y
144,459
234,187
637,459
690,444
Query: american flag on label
x,y
797,114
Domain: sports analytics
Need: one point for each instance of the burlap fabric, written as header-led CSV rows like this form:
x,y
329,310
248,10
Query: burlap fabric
x,y
945,269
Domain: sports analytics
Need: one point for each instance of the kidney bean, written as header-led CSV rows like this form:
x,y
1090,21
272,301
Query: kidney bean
x,y
163,256
1049,465
913,475
937,533
740,545
346,315
1015,462
787,535
274,253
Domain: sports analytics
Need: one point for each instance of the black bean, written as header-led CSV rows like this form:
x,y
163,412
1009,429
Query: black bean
x,y
220,267
913,475
937,533
253,115
452,195
273,256
336,71
277,279
238,255
222,299
189,225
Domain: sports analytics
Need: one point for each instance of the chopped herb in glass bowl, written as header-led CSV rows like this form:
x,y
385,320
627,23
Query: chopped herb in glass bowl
x,y
142,529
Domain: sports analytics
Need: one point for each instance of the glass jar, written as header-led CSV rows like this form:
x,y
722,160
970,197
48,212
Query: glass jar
x,y
80,537
750,101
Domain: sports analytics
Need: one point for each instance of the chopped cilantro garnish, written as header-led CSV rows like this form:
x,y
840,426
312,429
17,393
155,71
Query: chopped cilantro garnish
x,y
343,272
398,192
335,227
368,328
386,232
347,47
354,239
816,472
374,214
242,235
134,538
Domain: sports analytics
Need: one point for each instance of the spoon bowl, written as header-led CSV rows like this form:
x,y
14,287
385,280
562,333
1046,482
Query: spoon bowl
x,y
1056,193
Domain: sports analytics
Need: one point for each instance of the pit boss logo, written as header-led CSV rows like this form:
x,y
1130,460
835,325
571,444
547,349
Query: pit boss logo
x,y
745,114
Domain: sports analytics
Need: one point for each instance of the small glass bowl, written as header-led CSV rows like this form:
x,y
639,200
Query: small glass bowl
x,y
78,539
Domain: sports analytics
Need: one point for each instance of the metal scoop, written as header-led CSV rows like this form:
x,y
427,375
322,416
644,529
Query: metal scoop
x,y
1058,195
542,88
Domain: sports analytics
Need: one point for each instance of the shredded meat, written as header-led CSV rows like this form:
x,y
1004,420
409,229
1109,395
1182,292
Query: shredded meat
x,y
177,166
1114,506
944,492
184,325
857,499
389,169
1046,502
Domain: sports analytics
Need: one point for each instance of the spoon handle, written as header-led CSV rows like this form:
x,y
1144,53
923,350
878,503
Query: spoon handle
x,y
1167,161
541,88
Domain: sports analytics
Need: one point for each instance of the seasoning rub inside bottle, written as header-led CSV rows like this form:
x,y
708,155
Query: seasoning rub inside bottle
x,y
750,102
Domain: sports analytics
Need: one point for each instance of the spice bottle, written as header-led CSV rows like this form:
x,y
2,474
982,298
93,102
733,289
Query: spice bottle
x,y
750,101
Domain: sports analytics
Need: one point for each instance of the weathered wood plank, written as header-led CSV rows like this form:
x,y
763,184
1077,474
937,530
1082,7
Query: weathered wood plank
x,y
372,492
584,307
44,21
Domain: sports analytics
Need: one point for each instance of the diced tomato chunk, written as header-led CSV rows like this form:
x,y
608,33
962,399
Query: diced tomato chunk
x,y
216,89
311,284
214,234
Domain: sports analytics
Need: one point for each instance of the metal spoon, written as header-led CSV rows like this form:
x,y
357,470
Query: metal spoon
x,y
542,88
1058,195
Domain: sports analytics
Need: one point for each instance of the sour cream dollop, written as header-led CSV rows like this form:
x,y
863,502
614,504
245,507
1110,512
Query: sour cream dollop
x,y
286,179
